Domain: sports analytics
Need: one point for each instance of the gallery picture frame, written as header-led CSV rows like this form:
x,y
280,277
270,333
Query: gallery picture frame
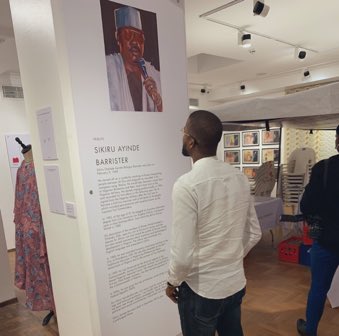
x,y
232,140
251,155
232,157
250,171
250,138
270,154
271,137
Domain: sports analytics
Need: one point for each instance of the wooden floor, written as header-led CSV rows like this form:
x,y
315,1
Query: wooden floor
x,y
17,320
276,297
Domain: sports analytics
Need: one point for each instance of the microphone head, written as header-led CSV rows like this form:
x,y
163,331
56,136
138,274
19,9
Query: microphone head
x,y
142,64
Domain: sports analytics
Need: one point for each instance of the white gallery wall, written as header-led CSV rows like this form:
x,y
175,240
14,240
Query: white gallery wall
x,y
13,121
6,281
62,63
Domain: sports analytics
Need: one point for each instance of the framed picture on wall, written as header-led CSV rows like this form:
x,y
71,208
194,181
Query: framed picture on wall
x,y
250,138
270,154
231,140
232,157
271,137
250,171
250,156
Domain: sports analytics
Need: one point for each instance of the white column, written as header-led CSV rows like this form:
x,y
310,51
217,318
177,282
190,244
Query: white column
x,y
44,78
62,63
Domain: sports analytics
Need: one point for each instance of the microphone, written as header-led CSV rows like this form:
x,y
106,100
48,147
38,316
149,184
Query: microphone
x,y
142,64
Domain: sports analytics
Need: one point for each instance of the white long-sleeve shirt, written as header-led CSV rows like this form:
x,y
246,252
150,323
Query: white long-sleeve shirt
x,y
214,227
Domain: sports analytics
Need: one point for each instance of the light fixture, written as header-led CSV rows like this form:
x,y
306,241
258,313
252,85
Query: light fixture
x,y
205,90
300,54
242,87
244,39
259,8
306,73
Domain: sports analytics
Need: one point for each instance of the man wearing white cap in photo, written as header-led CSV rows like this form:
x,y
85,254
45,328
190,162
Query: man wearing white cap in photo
x,y
134,84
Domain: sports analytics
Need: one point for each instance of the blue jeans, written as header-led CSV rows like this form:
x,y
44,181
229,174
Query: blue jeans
x,y
200,316
323,266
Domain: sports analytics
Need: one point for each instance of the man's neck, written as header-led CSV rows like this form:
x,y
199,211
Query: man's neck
x,y
132,68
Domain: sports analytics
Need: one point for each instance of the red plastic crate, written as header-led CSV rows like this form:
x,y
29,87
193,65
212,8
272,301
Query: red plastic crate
x,y
289,249
306,239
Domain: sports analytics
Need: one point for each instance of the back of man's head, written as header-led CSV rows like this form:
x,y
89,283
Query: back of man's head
x,y
206,128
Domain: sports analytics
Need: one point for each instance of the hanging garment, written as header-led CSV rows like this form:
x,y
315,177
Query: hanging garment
x,y
31,265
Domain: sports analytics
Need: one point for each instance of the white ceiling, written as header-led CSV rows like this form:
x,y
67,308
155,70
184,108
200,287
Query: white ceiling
x,y
311,24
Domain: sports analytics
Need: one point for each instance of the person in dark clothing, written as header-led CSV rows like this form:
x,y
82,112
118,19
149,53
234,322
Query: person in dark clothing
x,y
321,198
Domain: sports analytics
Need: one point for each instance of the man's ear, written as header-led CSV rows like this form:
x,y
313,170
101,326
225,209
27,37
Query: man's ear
x,y
192,142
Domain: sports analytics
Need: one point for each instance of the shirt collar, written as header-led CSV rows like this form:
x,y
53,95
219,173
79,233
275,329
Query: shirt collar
x,y
203,160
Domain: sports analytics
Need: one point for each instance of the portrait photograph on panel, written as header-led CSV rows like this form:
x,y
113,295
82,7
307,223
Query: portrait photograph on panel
x,y
250,138
270,154
250,156
271,137
232,157
132,58
231,140
250,172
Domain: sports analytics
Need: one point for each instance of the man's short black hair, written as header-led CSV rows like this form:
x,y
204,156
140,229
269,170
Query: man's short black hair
x,y
337,130
206,128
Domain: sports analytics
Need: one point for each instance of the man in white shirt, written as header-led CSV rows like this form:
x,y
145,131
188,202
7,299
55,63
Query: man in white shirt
x,y
214,227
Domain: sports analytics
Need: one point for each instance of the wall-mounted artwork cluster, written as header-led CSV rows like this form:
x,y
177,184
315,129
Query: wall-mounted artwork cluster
x,y
247,150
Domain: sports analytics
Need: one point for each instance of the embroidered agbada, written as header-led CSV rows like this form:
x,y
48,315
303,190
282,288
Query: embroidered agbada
x,y
31,265
119,91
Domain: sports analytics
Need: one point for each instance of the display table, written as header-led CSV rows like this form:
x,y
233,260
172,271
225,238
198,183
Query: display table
x,y
269,210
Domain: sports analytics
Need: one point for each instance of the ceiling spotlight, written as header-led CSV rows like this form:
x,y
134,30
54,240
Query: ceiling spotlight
x,y
307,74
259,8
300,54
244,40
205,90
242,87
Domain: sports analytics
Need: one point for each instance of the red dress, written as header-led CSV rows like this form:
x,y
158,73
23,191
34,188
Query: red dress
x,y
31,264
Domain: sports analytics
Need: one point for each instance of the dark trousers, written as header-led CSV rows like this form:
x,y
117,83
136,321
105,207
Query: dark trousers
x,y
323,266
200,316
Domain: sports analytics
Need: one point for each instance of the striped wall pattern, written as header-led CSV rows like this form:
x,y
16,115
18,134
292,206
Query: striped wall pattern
x,y
321,141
